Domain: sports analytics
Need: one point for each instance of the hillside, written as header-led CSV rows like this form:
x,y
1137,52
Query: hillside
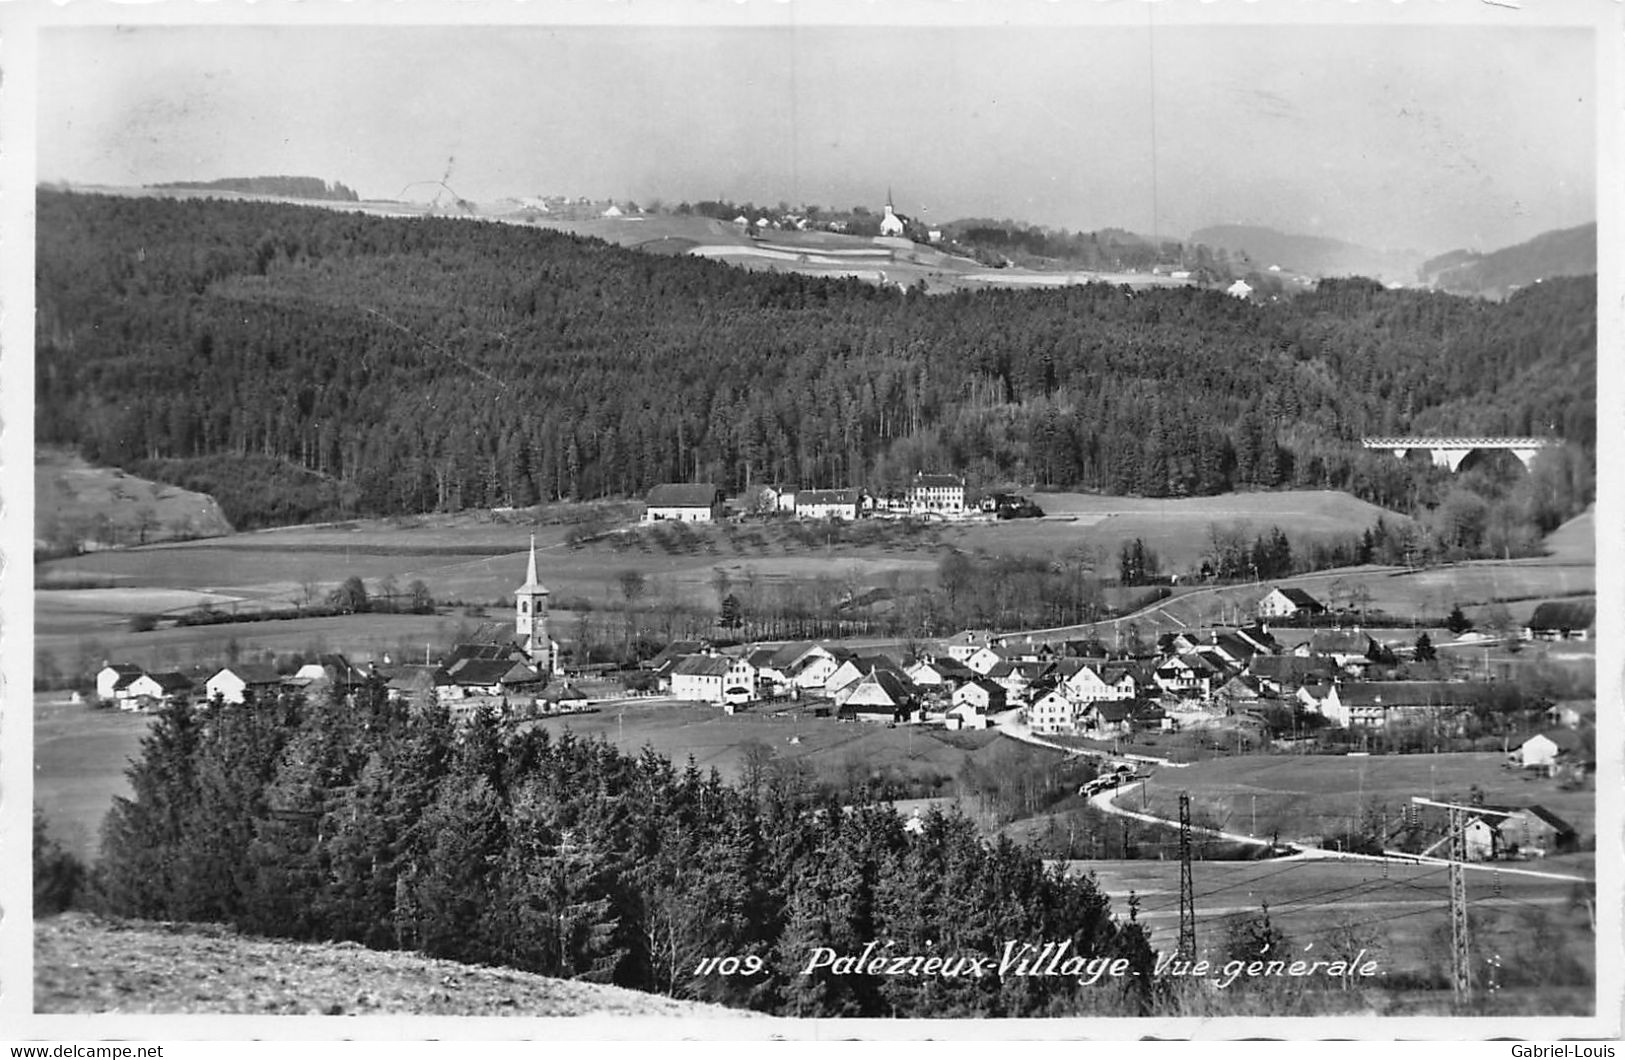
x,y
85,963
79,507
372,365
1313,255
1567,252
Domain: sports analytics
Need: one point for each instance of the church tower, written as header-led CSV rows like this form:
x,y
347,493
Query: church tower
x,y
530,618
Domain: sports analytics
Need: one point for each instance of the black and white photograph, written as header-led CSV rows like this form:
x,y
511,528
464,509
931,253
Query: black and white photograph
x,y
873,520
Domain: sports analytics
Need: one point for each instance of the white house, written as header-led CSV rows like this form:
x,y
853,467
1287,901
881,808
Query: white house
x,y
938,673
815,669
115,678
961,646
1552,748
1052,713
984,659
701,678
1286,602
828,504
699,502
980,694
151,690
1239,289
236,682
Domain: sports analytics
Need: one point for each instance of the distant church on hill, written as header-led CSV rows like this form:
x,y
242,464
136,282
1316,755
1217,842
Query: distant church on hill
x,y
891,224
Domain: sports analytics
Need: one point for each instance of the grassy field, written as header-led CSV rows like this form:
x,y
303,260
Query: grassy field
x,y
86,964
832,748
72,499
1521,918
1300,796
80,754
1177,529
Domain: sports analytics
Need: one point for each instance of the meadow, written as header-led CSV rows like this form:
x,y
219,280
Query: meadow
x,y
1304,796
1399,912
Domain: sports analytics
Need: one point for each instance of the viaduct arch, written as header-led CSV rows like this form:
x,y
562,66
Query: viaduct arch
x,y
1452,450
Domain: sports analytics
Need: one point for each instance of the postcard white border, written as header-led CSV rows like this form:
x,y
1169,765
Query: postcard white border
x,y
21,21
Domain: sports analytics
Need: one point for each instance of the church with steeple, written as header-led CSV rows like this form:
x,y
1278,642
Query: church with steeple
x,y
530,620
891,224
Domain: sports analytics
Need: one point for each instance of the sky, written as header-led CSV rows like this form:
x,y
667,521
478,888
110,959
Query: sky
x,y
1393,134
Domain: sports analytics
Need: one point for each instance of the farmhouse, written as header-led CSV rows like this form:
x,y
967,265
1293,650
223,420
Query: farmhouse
x,y
879,696
237,682
112,679
940,672
1537,831
1562,620
856,668
413,683
1350,649
332,669
980,694
829,504
1371,703
1288,603
683,502
936,494
1280,674
157,690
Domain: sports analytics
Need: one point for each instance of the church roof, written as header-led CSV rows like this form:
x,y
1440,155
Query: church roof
x,y
531,584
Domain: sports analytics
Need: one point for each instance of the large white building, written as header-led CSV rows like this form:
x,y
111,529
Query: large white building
x,y
936,494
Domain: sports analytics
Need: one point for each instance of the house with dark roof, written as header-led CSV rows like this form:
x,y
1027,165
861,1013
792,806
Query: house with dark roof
x,y
150,691
1288,602
1537,831
883,695
1355,704
701,678
237,682
114,678
829,504
942,672
412,683
1282,675
1562,620
980,694
699,502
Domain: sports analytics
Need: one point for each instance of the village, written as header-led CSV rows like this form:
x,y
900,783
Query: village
x,y
1272,685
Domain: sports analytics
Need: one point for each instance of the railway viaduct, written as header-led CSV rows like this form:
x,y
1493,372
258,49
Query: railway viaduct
x,y
1451,451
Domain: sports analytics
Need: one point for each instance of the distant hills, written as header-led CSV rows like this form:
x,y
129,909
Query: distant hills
x,y
1309,255
284,187
1565,252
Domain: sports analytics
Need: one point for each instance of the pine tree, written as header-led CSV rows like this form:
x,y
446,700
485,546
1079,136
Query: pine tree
x,y
141,868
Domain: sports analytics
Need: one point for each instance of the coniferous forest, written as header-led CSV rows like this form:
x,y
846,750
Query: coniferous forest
x,y
375,823
300,363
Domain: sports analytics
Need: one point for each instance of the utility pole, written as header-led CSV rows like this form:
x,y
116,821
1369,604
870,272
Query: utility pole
x,y
1187,893
1460,948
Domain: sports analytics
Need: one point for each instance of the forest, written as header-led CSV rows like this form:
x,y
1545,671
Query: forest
x,y
378,823
299,363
